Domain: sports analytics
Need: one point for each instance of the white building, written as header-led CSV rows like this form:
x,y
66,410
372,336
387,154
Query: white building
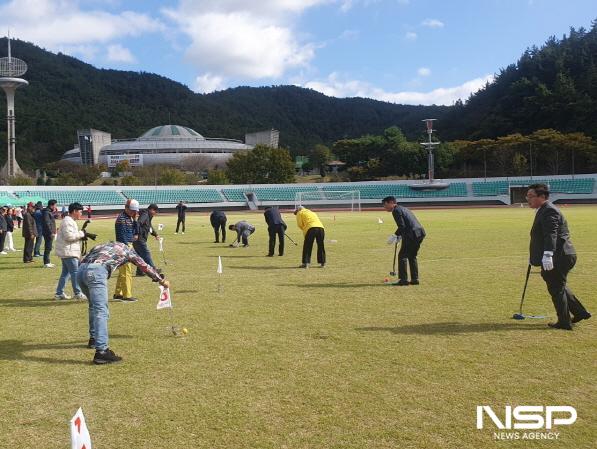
x,y
166,144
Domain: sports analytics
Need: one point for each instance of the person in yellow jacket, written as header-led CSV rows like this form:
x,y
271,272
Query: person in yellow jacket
x,y
313,230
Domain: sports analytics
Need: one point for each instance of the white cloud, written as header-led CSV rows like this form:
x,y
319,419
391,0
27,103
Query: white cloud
x,y
335,86
118,53
424,71
208,83
432,23
235,38
59,24
410,36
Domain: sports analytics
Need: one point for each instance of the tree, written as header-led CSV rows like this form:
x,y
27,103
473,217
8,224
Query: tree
x,y
319,157
217,177
261,165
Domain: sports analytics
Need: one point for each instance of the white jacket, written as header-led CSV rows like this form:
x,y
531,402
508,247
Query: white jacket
x,y
68,239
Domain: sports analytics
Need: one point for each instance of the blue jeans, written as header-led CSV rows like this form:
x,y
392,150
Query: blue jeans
x,y
93,279
37,248
142,249
70,266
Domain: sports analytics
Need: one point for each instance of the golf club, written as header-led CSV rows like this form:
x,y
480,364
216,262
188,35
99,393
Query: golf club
x,y
520,315
393,272
161,241
295,244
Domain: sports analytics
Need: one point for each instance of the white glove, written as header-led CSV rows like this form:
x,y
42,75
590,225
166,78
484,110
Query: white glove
x,y
547,260
393,239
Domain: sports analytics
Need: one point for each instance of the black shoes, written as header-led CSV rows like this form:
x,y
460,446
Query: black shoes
x,y
576,319
105,357
559,326
123,299
414,282
402,283
305,265
269,255
91,343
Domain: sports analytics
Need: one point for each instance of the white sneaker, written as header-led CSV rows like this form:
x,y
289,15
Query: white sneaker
x,y
176,233
81,296
62,296
3,253
49,265
183,233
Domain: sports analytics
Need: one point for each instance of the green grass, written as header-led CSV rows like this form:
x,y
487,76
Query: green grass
x,y
318,358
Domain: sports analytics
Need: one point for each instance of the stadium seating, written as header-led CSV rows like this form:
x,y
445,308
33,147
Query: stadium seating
x,y
573,186
93,197
173,196
379,191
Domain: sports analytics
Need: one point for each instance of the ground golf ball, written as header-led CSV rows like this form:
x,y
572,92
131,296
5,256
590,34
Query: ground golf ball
x,y
386,280
185,330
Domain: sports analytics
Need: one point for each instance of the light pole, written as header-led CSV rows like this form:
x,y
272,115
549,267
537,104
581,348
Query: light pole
x,y
10,70
429,147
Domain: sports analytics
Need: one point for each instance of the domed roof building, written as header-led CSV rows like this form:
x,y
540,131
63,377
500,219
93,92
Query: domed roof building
x,y
166,144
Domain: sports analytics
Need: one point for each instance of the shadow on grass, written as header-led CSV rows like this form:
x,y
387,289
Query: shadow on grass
x,y
234,256
451,328
186,291
19,350
39,302
338,285
268,267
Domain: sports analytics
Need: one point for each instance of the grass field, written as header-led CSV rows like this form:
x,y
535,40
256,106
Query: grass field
x,y
318,358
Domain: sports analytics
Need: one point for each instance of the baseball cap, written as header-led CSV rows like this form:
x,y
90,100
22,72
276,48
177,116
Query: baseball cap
x,y
153,206
74,206
30,204
133,205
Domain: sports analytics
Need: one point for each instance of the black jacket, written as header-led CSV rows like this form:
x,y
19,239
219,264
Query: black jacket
x,y
143,226
182,210
408,225
549,233
273,218
29,227
48,222
3,225
217,217
10,225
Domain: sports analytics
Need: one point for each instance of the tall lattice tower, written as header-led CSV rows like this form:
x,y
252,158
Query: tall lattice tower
x,y
10,71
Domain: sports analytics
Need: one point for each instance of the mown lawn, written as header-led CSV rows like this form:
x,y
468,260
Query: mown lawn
x,y
318,358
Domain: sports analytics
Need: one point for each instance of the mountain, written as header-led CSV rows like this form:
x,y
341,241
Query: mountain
x,y
65,94
554,86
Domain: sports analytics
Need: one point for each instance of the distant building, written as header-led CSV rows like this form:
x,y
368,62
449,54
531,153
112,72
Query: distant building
x,y
166,144
271,138
91,142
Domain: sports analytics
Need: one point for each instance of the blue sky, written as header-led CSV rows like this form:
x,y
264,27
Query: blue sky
x,y
403,51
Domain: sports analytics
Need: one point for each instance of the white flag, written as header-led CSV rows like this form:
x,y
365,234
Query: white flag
x,y
165,299
220,270
79,434
379,220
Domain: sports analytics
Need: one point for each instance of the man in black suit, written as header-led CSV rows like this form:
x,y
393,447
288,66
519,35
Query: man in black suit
x,y
218,221
181,210
551,248
412,234
275,226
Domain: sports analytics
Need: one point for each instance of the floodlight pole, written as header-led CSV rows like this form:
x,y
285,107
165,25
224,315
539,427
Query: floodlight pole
x,y
429,147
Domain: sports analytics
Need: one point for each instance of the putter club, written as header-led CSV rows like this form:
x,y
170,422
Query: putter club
x,y
520,315
393,272
163,252
295,244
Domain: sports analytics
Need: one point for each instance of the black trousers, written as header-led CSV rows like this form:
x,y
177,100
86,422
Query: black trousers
x,y
180,220
220,226
408,255
318,235
273,231
28,250
2,240
48,241
564,301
